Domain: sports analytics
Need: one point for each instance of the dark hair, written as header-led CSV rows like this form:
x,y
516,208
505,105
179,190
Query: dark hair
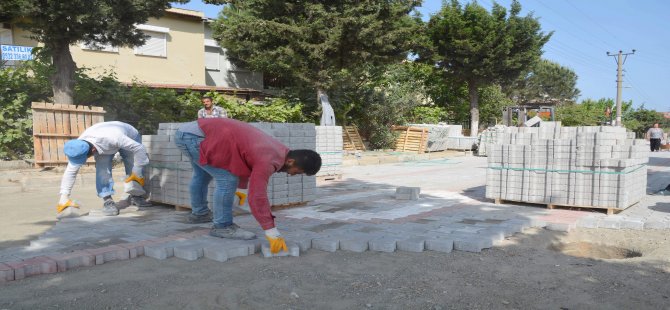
x,y
308,160
205,97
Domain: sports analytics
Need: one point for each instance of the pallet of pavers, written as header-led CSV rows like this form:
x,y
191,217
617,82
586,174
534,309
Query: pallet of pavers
x,y
329,144
589,167
170,171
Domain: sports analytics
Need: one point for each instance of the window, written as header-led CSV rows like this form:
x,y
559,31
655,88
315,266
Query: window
x,y
212,57
156,41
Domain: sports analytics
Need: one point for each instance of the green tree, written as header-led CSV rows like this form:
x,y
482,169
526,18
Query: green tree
x,y
546,80
479,48
640,120
316,43
589,112
58,24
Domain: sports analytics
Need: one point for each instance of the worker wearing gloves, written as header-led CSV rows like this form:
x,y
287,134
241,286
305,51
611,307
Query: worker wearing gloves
x,y
237,154
103,141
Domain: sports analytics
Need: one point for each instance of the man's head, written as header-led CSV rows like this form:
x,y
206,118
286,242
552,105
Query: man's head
x,y
77,151
302,161
656,125
207,102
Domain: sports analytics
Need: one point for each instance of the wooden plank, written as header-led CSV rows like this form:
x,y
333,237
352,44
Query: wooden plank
x,y
553,206
60,141
37,128
51,128
70,109
57,135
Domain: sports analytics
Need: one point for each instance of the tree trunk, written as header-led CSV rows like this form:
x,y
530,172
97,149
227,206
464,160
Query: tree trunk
x,y
62,80
474,109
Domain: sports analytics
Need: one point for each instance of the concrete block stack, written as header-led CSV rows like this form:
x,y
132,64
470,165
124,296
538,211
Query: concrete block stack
x,y
489,137
169,172
595,166
329,146
439,134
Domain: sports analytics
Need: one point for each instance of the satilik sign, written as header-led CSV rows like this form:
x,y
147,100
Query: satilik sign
x,y
16,52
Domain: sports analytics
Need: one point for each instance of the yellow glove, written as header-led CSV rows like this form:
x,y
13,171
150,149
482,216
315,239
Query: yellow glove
x,y
134,177
63,206
242,196
277,244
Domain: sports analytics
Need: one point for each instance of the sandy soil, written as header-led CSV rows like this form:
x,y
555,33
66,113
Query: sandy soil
x,y
524,273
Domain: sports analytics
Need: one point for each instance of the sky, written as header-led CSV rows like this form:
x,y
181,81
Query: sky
x,y
583,32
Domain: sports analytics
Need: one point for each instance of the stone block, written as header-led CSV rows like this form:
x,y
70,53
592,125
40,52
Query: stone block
x,y
439,244
215,253
72,260
189,252
6,273
355,243
655,225
631,224
109,253
610,222
561,226
472,244
588,222
161,250
407,193
414,244
328,244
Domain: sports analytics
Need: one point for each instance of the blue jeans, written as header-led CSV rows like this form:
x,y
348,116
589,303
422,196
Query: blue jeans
x,y
226,182
104,183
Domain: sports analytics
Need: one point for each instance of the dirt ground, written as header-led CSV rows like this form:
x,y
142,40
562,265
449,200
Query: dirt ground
x,y
524,273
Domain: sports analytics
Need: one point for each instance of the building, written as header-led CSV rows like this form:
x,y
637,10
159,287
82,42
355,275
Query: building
x,y
179,53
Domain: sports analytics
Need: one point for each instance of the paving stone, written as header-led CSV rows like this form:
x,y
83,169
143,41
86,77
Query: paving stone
x,y
407,193
561,226
383,244
109,253
6,273
414,244
440,245
215,253
355,242
189,252
655,225
293,250
32,267
632,224
328,244
72,260
588,222
161,250
611,223
472,244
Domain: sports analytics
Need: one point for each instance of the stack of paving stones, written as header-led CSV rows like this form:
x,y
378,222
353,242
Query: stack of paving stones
x,y
170,171
489,137
438,135
329,146
597,166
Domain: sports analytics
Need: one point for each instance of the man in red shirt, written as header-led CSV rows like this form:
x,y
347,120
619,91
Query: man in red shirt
x,y
237,154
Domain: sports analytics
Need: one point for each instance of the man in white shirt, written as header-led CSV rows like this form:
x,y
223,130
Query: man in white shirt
x,y
103,141
211,110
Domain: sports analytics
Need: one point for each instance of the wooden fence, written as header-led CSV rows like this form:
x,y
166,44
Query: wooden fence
x,y
54,124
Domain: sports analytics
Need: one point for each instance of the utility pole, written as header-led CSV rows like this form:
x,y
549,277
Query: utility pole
x,y
619,62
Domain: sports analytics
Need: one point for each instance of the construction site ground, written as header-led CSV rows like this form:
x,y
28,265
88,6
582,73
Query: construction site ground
x,y
626,263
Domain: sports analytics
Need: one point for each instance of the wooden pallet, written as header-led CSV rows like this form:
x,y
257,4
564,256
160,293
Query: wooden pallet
x,y
411,139
351,139
609,211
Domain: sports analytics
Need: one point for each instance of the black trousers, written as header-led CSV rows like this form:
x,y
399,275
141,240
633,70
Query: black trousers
x,y
655,144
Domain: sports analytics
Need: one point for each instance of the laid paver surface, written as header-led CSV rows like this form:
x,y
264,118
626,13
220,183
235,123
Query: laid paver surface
x,y
359,213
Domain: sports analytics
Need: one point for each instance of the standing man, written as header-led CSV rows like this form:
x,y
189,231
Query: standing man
x,y
103,141
654,135
237,154
211,110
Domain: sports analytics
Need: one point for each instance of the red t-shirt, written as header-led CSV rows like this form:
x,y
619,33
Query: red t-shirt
x,y
248,153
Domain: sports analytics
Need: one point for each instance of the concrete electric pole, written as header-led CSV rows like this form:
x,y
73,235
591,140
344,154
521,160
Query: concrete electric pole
x,y
619,62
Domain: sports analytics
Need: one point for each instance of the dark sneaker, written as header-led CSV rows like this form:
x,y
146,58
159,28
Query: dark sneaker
x,y
139,202
109,208
199,219
232,232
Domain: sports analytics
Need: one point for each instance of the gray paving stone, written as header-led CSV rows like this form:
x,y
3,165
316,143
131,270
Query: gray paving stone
x,y
328,244
189,252
384,244
472,244
632,224
355,243
215,253
440,245
161,250
651,224
611,223
413,244
588,222
564,227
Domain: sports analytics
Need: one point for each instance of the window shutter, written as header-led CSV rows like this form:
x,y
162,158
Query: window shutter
x,y
212,58
156,45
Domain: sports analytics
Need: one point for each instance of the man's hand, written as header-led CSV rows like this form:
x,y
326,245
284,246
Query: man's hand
x,y
277,243
242,195
134,177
